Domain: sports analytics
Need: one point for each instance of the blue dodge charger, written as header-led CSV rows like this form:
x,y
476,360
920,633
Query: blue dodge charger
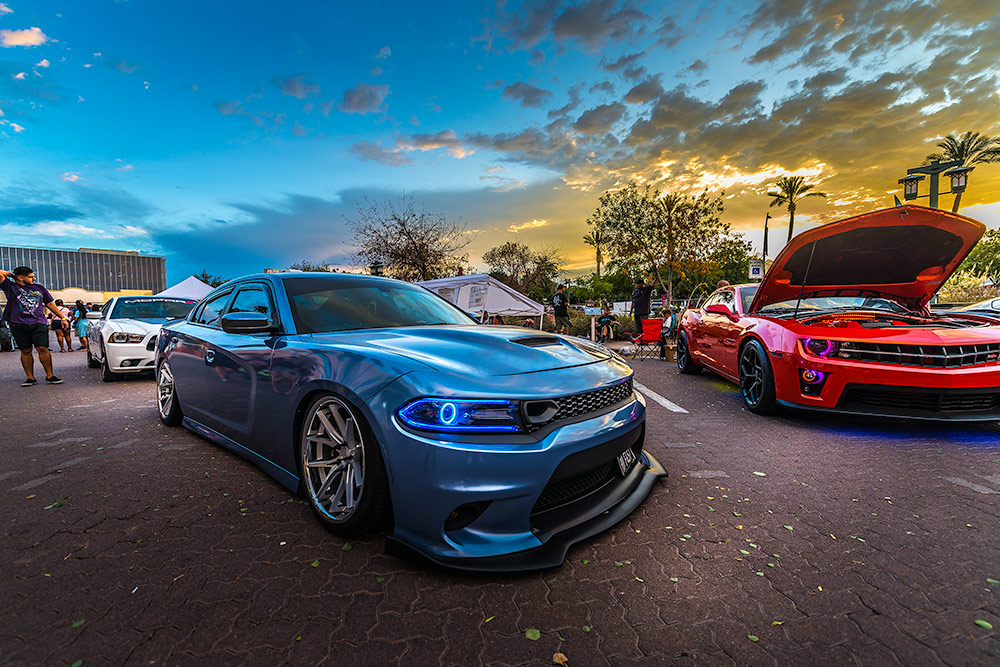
x,y
484,448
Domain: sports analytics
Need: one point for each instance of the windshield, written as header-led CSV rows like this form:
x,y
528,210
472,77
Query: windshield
x,y
152,310
321,305
835,303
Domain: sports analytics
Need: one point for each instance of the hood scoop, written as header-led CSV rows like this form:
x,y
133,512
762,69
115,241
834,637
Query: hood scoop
x,y
537,341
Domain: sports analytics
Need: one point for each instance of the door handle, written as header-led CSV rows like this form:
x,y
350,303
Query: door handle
x,y
209,356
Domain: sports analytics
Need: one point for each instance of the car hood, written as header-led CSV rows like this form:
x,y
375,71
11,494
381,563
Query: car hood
x,y
904,253
134,326
476,350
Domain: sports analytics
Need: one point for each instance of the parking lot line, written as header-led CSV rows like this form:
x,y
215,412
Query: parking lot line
x,y
669,405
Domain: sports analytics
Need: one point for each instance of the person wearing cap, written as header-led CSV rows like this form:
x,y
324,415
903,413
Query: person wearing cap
x,y
560,308
640,303
25,311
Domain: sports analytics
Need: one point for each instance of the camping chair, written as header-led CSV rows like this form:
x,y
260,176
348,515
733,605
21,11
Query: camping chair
x,y
648,344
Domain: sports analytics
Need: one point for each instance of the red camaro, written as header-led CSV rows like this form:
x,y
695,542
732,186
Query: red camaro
x,y
840,323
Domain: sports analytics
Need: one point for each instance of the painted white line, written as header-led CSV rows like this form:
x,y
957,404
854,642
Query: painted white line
x,y
669,405
978,488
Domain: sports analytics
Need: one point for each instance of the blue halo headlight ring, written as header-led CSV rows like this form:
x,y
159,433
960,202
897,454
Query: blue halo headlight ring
x,y
461,415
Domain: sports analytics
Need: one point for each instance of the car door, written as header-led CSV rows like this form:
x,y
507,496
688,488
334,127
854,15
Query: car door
x,y
728,334
707,332
240,368
187,356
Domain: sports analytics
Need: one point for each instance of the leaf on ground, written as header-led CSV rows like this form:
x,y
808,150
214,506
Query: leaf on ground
x,y
686,536
760,574
789,528
78,663
983,624
735,513
315,563
586,628
488,619
638,579
753,638
674,579
380,579
744,552
992,582
77,624
585,561
760,474
533,634
347,547
777,622
618,563
559,659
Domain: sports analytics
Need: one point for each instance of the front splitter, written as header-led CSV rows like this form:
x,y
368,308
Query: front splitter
x,y
553,552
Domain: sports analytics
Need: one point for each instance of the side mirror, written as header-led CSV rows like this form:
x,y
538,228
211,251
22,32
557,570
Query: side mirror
x,y
94,315
721,309
246,323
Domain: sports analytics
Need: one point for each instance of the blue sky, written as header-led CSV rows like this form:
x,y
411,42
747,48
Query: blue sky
x,y
234,136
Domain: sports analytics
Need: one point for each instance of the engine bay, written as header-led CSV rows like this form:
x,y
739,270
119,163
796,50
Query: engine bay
x,y
879,320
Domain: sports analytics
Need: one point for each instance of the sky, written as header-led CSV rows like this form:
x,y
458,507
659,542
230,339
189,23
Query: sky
x,y
236,136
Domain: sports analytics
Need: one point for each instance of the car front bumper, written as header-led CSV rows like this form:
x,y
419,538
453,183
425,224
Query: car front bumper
x,y
529,502
131,357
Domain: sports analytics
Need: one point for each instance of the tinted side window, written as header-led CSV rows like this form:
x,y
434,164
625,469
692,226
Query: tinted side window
x,y
712,300
211,309
106,309
727,298
253,299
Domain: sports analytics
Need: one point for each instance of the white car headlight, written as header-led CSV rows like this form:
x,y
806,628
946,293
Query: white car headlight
x,y
122,337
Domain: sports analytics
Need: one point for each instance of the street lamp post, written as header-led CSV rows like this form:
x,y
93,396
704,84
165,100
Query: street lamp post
x,y
766,218
376,268
934,169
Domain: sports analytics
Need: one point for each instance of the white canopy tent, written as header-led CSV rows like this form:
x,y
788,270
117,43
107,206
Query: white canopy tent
x,y
478,292
189,288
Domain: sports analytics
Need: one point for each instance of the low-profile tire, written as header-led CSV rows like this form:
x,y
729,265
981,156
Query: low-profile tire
x,y
167,404
757,379
106,373
685,363
343,474
91,362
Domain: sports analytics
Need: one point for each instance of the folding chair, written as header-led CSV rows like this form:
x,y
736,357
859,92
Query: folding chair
x,y
647,345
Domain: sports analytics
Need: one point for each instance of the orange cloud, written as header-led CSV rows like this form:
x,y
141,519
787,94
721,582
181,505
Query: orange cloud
x,y
30,37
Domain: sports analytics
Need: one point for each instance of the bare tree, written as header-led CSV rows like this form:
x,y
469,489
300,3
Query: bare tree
x,y
410,244
306,265
531,272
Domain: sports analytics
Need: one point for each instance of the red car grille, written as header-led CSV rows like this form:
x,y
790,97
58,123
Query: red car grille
x,y
906,401
933,356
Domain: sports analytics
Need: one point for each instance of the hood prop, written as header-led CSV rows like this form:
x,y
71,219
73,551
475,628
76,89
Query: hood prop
x,y
805,278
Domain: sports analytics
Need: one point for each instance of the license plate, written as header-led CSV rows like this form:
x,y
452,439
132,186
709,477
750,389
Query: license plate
x,y
625,460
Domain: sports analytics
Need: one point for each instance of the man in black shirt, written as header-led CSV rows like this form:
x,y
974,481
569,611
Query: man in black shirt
x,y
640,303
560,303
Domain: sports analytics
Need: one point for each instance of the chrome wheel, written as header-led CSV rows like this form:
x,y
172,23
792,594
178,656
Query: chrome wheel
x,y
333,459
165,390
752,375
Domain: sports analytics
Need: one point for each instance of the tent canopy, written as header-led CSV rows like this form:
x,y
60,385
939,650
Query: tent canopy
x,y
189,288
480,291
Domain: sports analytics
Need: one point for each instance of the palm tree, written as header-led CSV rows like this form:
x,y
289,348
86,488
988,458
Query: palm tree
x,y
596,239
970,149
790,190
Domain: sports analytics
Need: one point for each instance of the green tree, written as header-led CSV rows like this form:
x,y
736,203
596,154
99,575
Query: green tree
x,y
790,190
531,272
645,229
984,260
595,239
306,265
209,279
411,244
970,149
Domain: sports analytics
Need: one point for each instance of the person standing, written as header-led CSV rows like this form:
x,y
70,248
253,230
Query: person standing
x,y
80,323
25,311
640,303
61,326
560,303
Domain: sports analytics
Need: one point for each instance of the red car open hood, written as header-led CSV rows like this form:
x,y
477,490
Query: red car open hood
x,y
903,253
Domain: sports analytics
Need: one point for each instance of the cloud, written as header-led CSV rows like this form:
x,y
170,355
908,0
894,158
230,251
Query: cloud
x,y
71,177
125,167
383,53
375,71
20,76
364,98
697,67
599,119
38,212
531,224
526,94
593,22
236,108
30,37
444,139
54,229
299,130
628,60
641,93
296,86
373,152
44,62
123,66
16,127
4,9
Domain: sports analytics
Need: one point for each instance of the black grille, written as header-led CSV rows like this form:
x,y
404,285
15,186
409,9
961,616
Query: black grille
x,y
537,341
567,490
921,402
592,401
933,356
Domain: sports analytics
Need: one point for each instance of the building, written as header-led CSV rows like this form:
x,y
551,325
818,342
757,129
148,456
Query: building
x,y
90,270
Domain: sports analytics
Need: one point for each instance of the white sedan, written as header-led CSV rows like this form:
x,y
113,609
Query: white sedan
x,y
122,337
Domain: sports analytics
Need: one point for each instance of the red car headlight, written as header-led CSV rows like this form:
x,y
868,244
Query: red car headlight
x,y
821,347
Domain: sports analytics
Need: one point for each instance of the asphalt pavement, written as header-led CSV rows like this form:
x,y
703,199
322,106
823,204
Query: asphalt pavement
x,y
789,540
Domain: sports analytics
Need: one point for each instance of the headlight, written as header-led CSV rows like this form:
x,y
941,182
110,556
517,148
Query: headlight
x,y
457,414
122,337
821,346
